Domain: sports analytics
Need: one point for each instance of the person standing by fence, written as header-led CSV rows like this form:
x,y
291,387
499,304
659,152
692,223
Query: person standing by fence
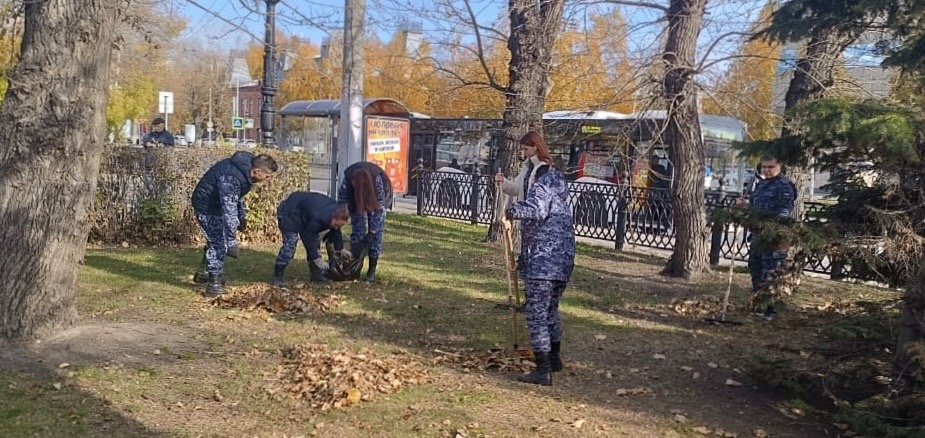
x,y
535,153
545,263
367,191
773,194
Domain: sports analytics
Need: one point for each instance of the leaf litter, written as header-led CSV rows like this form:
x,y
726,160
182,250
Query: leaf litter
x,y
257,297
495,359
328,379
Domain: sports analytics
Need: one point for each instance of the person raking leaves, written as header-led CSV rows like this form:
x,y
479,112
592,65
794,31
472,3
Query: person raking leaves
x,y
546,260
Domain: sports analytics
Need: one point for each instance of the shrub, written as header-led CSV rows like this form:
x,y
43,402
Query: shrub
x,y
143,197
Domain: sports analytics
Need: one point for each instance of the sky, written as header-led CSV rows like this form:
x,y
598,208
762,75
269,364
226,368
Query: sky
x,y
383,15
231,25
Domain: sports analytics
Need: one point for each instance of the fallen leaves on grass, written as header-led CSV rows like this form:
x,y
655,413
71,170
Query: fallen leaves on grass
x,y
340,378
699,306
271,299
500,359
622,392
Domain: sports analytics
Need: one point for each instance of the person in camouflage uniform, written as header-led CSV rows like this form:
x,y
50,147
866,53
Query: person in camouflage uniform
x,y
776,195
306,215
218,200
546,261
367,191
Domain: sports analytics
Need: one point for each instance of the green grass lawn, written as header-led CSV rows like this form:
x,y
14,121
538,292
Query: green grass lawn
x,y
151,358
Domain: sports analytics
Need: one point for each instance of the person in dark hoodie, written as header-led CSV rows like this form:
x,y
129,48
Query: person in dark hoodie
x,y
546,261
219,203
305,216
367,191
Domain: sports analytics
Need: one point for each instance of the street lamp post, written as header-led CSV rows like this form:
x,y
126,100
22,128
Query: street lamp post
x,y
268,109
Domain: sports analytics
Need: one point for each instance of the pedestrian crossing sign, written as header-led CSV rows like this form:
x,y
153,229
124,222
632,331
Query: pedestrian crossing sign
x,y
237,123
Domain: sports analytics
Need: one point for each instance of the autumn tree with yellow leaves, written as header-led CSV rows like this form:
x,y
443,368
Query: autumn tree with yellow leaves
x,y
591,69
746,90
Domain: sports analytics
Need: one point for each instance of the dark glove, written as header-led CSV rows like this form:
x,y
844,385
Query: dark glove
x,y
232,250
509,214
242,224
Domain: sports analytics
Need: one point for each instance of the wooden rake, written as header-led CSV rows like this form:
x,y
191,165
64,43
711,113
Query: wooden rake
x,y
736,246
507,243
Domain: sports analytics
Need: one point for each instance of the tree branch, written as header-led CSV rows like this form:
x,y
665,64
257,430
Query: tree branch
x,y
631,3
236,26
714,43
481,50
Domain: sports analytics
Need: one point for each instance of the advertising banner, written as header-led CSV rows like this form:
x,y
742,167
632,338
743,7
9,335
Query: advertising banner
x,y
387,143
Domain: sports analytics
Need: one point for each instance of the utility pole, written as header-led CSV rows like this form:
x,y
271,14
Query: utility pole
x,y
268,108
350,139
237,107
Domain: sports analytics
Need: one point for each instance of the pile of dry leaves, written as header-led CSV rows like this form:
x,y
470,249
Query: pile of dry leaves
x,y
272,299
500,359
337,379
699,306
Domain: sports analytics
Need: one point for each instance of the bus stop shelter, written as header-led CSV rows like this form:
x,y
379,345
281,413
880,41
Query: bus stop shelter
x,y
312,126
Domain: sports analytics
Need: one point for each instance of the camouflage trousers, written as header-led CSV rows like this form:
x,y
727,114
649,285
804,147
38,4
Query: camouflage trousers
x,y
542,312
217,240
287,252
762,264
373,223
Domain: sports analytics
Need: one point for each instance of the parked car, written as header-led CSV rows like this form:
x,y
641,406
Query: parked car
x,y
248,143
180,140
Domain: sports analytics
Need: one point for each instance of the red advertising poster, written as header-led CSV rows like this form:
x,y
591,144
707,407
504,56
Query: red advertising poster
x,y
387,145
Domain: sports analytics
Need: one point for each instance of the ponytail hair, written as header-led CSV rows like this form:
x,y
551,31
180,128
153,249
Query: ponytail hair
x,y
364,191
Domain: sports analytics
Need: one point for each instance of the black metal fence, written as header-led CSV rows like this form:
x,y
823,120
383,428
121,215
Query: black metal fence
x,y
617,213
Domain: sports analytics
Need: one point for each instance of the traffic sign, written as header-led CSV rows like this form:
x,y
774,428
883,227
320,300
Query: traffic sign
x,y
237,123
249,123
165,102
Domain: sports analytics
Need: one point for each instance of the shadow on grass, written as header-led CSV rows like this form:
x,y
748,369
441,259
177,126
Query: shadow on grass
x,y
40,401
438,290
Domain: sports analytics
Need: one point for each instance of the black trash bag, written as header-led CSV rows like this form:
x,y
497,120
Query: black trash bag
x,y
346,269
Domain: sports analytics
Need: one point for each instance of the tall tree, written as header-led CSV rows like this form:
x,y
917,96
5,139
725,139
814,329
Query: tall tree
x,y
824,28
854,138
54,118
534,28
690,256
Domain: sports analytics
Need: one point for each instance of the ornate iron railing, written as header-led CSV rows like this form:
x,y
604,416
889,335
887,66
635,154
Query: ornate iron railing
x,y
617,213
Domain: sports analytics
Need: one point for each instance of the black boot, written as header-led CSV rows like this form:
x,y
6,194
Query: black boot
x,y
542,375
214,286
555,363
201,276
278,280
371,272
317,274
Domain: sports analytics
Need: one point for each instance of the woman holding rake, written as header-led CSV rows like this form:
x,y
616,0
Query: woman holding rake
x,y
546,261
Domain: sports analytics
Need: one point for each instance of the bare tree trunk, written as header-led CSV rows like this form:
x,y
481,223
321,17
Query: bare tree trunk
x,y
691,253
533,34
813,78
54,119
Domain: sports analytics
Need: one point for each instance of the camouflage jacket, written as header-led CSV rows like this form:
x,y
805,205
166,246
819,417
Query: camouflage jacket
x,y
547,234
775,195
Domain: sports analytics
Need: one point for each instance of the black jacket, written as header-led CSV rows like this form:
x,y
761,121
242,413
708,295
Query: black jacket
x,y
309,214
165,138
345,194
226,181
